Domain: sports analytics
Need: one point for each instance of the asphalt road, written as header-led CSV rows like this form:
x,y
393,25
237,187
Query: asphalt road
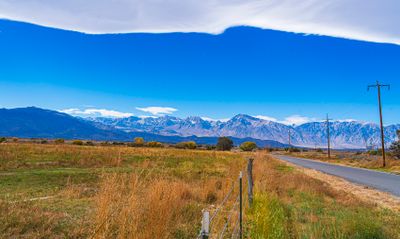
x,y
379,180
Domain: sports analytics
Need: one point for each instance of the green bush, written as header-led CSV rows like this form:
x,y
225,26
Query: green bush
x,y
3,139
224,143
319,150
77,142
155,144
248,146
43,141
186,145
59,141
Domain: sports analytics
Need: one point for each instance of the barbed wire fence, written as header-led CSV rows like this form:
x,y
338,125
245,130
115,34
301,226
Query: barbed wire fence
x,y
226,221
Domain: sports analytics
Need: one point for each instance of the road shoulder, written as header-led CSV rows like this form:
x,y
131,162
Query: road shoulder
x,y
364,193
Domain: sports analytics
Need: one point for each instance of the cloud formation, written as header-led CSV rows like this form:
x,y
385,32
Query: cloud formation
x,y
264,117
96,113
297,120
214,120
368,20
158,111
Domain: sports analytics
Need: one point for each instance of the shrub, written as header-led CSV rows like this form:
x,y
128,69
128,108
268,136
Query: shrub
x,y
15,139
186,145
248,146
89,143
106,143
224,143
3,139
395,149
210,147
59,141
43,141
138,142
294,150
375,152
319,150
117,143
77,142
155,144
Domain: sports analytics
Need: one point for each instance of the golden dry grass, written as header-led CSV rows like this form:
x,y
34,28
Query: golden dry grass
x,y
112,191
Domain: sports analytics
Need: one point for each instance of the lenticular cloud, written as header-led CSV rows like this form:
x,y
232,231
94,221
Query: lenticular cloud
x,y
368,20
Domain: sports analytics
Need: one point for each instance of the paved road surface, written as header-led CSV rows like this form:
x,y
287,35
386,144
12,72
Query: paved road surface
x,y
379,180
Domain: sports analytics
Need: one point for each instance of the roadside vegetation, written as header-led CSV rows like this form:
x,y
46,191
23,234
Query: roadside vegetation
x,y
363,159
289,204
371,159
106,190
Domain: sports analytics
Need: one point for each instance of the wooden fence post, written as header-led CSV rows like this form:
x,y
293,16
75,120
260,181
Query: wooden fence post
x,y
240,206
250,180
205,225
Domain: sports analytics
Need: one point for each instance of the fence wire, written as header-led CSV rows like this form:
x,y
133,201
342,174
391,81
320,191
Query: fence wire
x,y
228,212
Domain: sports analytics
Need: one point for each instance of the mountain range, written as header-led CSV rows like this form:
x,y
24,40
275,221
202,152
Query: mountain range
x,y
344,134
32,122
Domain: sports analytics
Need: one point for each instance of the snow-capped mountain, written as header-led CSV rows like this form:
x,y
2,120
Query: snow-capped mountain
x,y
345,134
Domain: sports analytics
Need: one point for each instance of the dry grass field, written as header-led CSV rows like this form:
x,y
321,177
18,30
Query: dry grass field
x,y
67,191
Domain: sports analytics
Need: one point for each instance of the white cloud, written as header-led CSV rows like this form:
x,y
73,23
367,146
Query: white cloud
x,y
156,110
215,120
297,120
264,117
346,120
96,112
369,20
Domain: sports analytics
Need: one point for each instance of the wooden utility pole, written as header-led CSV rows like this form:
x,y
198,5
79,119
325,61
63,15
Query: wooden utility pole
x,y
328,134
378,86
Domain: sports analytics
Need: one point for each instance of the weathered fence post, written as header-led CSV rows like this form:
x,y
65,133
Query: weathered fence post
x,y
205,225
250,180
240,206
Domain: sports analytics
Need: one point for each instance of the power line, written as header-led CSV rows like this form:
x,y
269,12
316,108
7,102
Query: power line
x,y
378,86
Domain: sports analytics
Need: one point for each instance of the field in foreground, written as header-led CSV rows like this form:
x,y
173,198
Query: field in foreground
x,y
58,191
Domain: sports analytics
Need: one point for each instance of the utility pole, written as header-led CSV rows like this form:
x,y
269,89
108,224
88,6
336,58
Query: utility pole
x,y
328,134
378,86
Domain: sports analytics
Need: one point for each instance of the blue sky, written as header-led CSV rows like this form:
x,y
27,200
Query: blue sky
x,y
243,70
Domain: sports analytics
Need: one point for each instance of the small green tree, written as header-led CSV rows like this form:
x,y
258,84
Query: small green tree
x,y
224,143
138,142
248,146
